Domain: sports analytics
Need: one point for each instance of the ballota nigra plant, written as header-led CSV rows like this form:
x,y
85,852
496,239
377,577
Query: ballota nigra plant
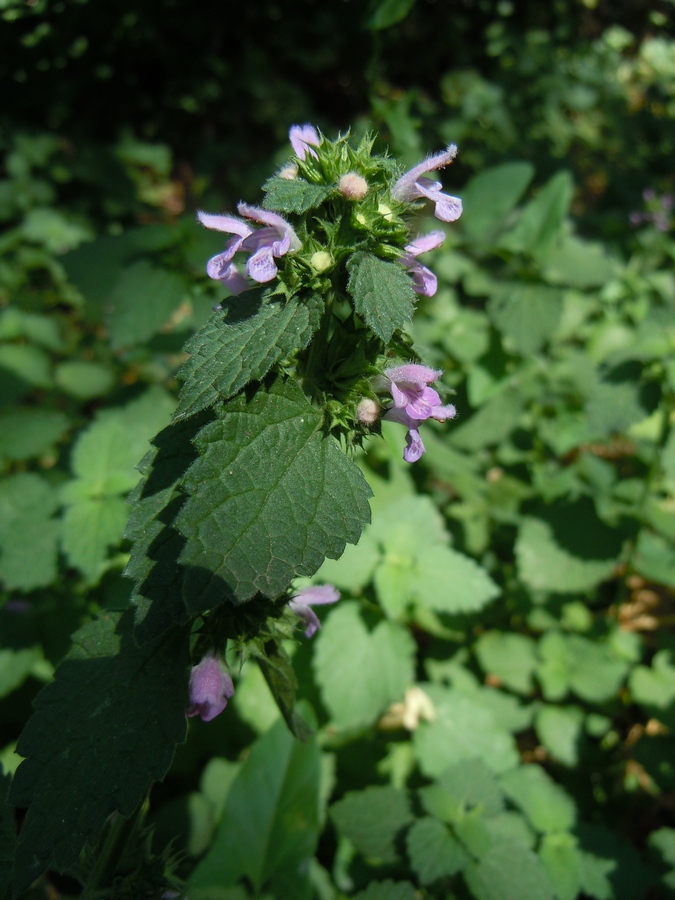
x,y
250,486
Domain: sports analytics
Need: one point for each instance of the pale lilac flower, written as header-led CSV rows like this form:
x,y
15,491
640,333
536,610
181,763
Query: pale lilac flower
x,y
414,402
273,240
303,138
314,595
210,689
424,280
413,185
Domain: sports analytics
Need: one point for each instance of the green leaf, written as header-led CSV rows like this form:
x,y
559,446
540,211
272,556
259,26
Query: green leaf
x,y
508,872
142,301
270,498
511,657
372,819
492,424
560,730
655,558
271,821
546,805
572,662
462,730
581,264
382,658
611,867
540,223
84,380
279,674
28,533
654,688
16,666
382,291
7,837
388,13
388,890
90,528
27,363
25,433
157,544
462,787
242,345
434,853
562,861
447,581
491,195
110,703
293,195
566,548
526,314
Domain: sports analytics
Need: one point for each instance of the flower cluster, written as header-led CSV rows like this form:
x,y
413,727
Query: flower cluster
x,y
658,212
414,402
275,239
210,689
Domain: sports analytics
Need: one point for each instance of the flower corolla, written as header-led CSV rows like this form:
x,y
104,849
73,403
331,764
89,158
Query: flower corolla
x,y
414,402
314,595
210,688
423,279
303,138
275,239
414,185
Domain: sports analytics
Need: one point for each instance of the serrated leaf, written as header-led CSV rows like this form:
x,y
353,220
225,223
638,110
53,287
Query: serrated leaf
x,y
28,533
25,433
271,821
372,819
462,730
434,853
511,657
463,786
526,314
156,501
383,660
382,291
270,498
541,221
293,195
491,195
89,529
242,345
508,872
388,890
566,548
143,300
546,805
110,702
447,581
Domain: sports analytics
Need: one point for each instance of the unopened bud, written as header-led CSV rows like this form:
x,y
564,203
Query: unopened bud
x,y
321,261
353,186
289,172
368,411
385,211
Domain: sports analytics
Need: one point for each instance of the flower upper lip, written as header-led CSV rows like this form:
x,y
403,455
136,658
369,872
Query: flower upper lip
x,y
413,185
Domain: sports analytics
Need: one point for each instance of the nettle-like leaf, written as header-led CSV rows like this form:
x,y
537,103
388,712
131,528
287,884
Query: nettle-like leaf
x,y
102,732
157,544
241,344
382,291
372,819
28,533
293,195
270,497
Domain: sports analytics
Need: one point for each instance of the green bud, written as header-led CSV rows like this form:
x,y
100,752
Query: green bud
x,y
321,261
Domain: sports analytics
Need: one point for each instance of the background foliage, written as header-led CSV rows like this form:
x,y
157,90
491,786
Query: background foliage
x,y
494,697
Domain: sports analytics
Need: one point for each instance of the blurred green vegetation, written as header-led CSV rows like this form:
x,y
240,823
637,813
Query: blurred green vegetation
x,y
521,578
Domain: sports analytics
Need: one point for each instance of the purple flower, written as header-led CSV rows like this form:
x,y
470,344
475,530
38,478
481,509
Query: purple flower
x,y
303,138
273,240
415,401
316,594
414,185
210,689
424,280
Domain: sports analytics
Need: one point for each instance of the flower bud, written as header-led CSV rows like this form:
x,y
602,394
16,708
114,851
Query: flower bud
x,y
321,261
368,411
289,172
353,186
